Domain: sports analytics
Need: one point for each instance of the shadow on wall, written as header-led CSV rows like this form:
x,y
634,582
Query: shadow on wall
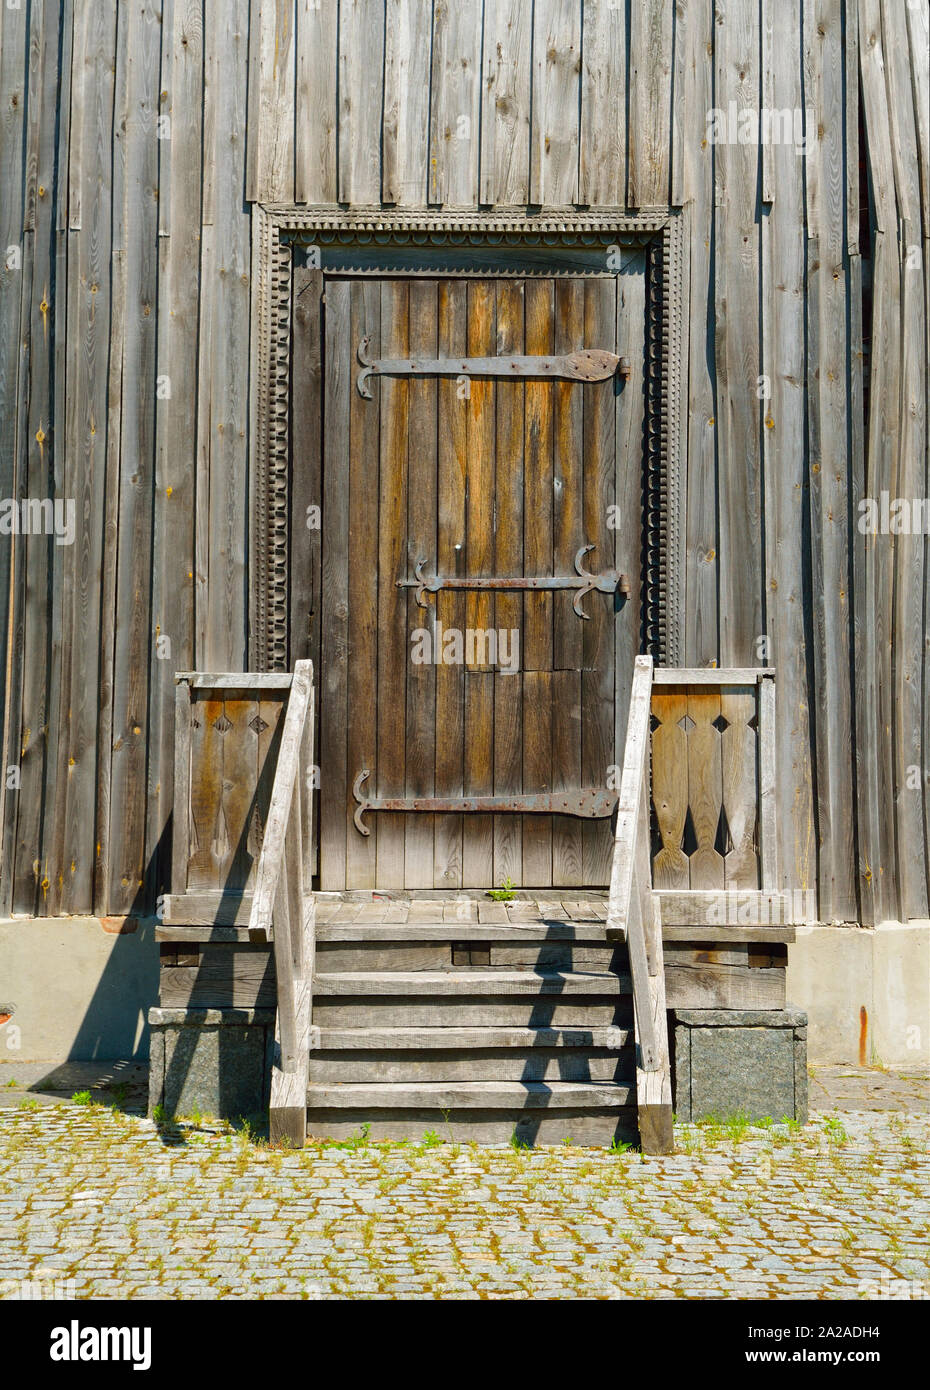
x,y
77,988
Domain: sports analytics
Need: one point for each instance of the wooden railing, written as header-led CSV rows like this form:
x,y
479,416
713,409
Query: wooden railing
x,y
283,910
632,916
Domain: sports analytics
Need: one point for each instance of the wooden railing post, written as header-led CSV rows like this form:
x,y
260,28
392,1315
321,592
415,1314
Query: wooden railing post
x,y
632,917
282,907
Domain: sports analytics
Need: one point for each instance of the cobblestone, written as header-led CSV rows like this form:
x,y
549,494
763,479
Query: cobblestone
x,y
839,1209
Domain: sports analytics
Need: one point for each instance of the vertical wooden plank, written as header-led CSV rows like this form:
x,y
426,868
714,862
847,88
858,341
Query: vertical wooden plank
x,y
598,752
208,840
603,128
767,754
737,329
538,559
34,554
421,541
180,819
537,775
910,619
650,104
361,71
509,508
505,103
335,776
13,68
393,630
568,535
316,112
669,707
452,413
627,520
739,742
784,471
181,181
362,713
478,837
222,572
88,382
122,781
695,33
273,28
555,104
705,786
240,780
306,548
455,103
827,407
405,135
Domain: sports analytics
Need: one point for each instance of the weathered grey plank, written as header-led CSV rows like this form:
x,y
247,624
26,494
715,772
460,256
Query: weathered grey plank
x,y
555,105
650,104
316,107
405,136
455,103
361,57
505,103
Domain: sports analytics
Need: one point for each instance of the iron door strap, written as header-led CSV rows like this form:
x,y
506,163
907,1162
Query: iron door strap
x,y
608,582
591,803
588,364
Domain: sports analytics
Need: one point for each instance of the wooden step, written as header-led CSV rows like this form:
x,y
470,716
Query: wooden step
x,y
470,1095
469,983
502,1011
443,955
401,1039
490,1112
593,932
537,1064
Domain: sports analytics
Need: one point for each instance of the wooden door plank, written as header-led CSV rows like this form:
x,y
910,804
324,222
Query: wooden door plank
x,y
335,775
509,492
421,541
567,537
537,775
537,607
452,453
362,718
393,637
598,750
240,783
478,836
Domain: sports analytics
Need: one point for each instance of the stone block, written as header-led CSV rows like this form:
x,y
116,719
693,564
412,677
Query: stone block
x,y
211,1061
740,1061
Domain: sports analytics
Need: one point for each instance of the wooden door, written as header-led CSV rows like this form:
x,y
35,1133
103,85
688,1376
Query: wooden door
x,y
475,477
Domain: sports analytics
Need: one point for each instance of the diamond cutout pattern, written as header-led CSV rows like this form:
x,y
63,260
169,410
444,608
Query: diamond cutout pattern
x,y
258,725
222,724
686,723
720,723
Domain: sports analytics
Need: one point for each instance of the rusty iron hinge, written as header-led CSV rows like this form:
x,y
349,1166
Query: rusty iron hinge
x,y
591,803
588,364
607,583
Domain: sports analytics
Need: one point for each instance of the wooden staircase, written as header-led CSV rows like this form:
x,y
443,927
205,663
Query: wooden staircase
x,y
478,1021
538,1020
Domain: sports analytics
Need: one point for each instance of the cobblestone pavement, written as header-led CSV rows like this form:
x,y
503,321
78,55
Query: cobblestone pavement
x,y
95,1202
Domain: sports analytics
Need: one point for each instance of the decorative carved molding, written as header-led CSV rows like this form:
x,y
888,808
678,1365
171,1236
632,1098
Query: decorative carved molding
x,y
274,229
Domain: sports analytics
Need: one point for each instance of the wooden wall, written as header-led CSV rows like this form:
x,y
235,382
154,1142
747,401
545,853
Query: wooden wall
x,y
134,266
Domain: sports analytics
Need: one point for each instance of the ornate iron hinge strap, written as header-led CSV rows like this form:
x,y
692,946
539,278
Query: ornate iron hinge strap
x,y
607,583
591,803
588,364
